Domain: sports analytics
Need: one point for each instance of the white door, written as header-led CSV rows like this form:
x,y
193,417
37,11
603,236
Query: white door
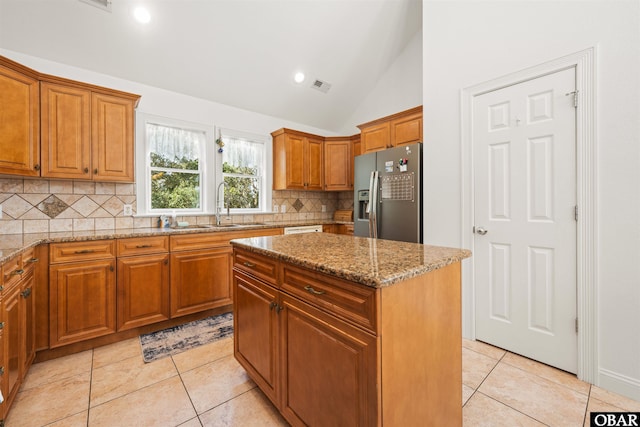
x,y
524,154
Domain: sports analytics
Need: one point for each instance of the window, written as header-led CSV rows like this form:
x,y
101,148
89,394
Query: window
x,y
244,160
175,166
179,167
174,160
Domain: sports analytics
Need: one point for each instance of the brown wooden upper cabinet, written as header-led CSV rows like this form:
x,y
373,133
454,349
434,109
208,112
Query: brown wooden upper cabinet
x,y
86,133
392,131
338,164
58,128
19,119
298,162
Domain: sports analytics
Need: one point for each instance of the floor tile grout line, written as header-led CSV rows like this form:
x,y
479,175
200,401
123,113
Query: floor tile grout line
x,y
586,409
517,410
186,390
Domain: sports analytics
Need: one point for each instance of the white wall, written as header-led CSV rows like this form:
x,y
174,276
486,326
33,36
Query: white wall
x,y
400,88
169,104
470,42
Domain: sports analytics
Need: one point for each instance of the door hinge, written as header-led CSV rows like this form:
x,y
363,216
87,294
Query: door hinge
x,y
575,97
575,212
576,325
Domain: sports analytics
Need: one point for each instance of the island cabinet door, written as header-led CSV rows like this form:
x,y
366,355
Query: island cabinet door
x,y
328,369
200,280
256,332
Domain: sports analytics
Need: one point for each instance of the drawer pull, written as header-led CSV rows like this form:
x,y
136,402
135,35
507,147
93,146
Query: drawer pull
x,y
26,293
32,260
1,325
248,264
85,251
313,291
16,272
143,246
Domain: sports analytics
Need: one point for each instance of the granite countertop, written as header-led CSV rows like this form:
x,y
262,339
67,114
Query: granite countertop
x,y
372,262
14,244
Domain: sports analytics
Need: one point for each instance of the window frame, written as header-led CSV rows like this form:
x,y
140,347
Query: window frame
x,y
266,176
210,166
143,165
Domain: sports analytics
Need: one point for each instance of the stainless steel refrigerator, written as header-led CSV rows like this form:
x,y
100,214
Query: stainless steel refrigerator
x,y
388,195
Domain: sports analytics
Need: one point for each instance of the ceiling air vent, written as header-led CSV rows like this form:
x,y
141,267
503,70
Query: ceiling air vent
x,y
321,86
102,4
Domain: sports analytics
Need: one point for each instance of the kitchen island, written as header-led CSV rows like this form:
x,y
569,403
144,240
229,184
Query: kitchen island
x,y
341,330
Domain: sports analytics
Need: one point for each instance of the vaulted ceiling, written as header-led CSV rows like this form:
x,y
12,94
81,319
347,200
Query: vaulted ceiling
x,y
242,53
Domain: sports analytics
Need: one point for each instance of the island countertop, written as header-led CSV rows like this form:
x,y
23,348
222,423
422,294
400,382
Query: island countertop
x,y
371,262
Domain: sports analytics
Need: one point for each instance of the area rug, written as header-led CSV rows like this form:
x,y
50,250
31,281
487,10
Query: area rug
x,y
177,339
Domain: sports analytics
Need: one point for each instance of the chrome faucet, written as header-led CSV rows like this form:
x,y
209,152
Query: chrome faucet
x,y
222,184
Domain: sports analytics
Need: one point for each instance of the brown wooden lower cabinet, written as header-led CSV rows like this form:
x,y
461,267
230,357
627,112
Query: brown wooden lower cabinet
x,y
330,352
17,325
83,301
143,290
200,280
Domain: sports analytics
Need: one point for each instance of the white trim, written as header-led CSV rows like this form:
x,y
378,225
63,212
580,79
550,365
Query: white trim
x,y
586,171
622,384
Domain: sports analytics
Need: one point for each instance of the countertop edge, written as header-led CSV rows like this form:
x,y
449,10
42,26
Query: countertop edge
x,y
364,279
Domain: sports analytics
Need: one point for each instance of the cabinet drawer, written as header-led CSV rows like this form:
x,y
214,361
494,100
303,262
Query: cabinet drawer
x,y
29,259
80,251
143,245
347,300
256,265
12,271
189,242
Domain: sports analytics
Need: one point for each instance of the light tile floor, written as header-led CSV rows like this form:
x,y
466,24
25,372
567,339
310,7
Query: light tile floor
x,y
112,386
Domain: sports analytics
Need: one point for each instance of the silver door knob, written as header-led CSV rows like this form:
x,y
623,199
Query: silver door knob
x,y
481,231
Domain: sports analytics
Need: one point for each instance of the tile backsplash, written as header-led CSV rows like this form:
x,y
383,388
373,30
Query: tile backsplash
x,y
42,205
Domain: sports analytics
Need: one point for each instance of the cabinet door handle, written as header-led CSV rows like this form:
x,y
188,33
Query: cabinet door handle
x,y
85,251
273,305
95,171
1,370
16,272
36,167
166,262
1,325
86,170
313,291
143,246
248,264
279,308
111,268
26,293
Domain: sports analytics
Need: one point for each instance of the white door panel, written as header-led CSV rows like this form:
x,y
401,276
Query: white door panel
x,y
525,195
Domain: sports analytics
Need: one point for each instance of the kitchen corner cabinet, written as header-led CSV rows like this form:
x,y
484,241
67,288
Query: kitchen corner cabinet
x,y
19,119
142,281
82,286
338,164
298,162
86,133
17,324
392,131
327,351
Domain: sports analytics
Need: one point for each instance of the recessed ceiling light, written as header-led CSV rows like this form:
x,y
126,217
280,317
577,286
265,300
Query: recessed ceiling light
x,y
142,15
299,77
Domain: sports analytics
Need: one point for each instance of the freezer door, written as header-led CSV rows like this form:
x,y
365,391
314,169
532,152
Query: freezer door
x,y
363,166
400,203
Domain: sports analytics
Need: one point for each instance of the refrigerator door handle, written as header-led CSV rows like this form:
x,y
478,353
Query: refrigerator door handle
x,y
373,205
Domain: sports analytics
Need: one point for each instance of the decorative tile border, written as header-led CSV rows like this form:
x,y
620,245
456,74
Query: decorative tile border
x,y
40,205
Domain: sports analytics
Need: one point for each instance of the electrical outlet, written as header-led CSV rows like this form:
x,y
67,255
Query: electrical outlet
x,y
283,208
127,210
324,208
275,208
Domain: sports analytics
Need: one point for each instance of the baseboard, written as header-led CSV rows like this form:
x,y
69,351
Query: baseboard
x,y
621,384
